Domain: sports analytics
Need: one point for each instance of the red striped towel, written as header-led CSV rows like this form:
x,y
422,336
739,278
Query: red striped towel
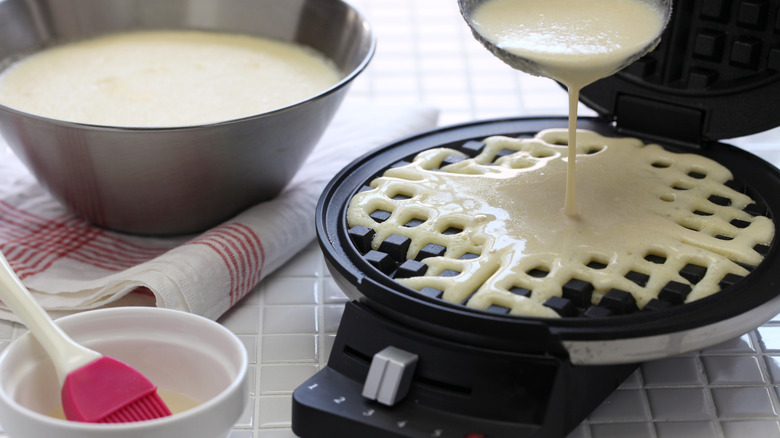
x,y
70,265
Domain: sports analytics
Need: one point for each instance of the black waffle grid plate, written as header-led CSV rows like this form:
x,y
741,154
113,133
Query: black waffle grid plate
x,y
370,272
576,295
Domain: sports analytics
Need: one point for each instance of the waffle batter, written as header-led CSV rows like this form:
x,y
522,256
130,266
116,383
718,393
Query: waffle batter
x,y
652,203
575,42
165,78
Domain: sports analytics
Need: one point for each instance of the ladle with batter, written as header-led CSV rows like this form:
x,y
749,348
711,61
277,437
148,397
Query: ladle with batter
x,y
575,42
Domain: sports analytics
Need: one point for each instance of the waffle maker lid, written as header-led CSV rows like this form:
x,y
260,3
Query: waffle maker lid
x,y
715,75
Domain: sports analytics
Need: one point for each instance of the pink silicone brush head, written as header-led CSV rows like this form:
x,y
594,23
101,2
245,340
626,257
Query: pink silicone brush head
x,y
95,388
109,391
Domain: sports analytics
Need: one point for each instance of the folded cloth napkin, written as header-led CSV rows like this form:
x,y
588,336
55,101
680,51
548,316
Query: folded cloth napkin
x,y
70,265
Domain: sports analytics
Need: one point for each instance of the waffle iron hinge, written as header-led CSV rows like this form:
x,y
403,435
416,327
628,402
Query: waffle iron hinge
x,y
659,121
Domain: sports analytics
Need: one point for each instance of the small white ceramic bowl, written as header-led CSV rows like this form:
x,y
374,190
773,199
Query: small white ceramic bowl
x,y
179,352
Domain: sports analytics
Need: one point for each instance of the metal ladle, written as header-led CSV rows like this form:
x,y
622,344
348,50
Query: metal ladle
x,y
467,8
573,82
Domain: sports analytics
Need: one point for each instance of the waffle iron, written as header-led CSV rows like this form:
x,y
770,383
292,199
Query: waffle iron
x,y
408,364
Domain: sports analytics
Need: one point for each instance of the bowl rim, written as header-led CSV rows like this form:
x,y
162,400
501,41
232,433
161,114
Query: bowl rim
x,y
343,82
236,384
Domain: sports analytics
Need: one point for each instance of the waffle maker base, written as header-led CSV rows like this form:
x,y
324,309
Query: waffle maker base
x,y
478,374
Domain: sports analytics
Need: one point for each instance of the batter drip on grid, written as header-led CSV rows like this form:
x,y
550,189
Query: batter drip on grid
x,y
480,224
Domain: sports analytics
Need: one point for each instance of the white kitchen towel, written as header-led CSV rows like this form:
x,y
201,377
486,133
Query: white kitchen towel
x,y
71,265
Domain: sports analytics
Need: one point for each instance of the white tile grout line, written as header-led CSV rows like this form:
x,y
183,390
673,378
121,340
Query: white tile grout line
x,y
259,359
709,398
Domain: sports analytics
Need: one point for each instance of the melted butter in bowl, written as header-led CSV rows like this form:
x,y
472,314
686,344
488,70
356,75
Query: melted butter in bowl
x,y
638,203
165,78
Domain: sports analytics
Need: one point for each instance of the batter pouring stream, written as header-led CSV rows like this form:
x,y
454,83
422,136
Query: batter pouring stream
x,y
575,42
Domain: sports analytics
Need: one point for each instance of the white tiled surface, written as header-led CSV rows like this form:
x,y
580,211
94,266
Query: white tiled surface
x,y
426,55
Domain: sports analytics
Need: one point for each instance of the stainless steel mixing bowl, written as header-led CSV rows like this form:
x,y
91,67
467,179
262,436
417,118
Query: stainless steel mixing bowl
x,y
185,179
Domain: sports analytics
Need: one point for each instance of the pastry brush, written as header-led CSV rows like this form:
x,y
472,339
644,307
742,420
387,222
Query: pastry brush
x,y
94,388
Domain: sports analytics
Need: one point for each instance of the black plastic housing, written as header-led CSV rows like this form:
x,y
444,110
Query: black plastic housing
x,y
458,390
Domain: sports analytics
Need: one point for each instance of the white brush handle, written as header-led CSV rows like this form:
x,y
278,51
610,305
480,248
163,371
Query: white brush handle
x,y
66,354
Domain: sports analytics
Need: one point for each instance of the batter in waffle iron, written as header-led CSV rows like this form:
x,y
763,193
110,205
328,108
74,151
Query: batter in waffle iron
x,y
646,218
